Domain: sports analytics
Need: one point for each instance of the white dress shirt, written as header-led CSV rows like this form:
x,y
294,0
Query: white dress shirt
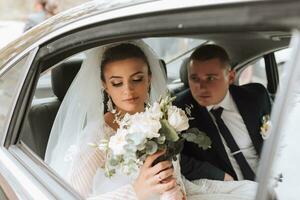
x,y
234,122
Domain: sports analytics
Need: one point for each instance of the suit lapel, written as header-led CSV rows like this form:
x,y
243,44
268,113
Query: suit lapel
x,y
210,129
250,114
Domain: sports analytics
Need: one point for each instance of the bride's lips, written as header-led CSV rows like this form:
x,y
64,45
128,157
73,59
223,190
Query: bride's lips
x,y
131,100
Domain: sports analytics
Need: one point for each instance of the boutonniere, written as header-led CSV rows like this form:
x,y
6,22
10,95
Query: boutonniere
x,y
265,128
194,135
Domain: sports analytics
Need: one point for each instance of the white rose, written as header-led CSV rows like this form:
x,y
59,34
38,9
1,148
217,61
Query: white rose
x,y
178,119
155,112
118,141
145,125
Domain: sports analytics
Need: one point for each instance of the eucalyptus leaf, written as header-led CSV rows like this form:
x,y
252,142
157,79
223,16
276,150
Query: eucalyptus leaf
x,y
198,137
151,147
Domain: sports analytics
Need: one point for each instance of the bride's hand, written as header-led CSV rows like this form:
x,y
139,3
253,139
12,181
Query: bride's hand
x,y
155,179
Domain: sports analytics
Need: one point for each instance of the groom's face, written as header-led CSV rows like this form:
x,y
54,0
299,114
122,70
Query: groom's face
x,y
209,80
127,83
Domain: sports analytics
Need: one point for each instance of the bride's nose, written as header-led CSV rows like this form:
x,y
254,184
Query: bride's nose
x,y
128,87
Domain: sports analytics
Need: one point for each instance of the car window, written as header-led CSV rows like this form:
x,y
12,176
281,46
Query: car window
x,y
9,83
44,87
254,73
173,50
281,57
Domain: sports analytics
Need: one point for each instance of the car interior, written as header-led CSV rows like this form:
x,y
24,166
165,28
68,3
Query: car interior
x,y
243,48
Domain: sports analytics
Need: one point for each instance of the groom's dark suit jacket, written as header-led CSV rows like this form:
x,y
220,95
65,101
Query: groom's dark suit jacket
x,y
252,101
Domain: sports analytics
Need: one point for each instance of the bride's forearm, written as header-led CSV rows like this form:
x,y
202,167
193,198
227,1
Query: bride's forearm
x,y
84,170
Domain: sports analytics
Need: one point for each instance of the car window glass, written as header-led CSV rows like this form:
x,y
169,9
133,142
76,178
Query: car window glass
x,y
254,73
50,90
172,50
9,83
44,87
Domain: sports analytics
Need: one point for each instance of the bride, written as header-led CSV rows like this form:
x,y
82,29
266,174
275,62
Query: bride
x,y
120,78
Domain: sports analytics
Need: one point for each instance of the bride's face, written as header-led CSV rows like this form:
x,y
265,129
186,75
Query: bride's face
x,y
127,83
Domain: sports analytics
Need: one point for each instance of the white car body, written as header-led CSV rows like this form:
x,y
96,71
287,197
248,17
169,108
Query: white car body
x,y
23,175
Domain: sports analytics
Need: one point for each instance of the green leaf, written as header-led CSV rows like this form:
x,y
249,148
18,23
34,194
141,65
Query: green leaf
x,y
198,137
151,147
168,131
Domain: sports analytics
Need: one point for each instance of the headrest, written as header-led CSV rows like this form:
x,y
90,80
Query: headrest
x,y
164,67
184,72
62,77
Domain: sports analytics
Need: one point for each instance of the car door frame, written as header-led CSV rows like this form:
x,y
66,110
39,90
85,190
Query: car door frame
x,y
114,31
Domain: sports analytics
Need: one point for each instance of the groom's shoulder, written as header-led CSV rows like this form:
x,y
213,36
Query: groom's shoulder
x,y
251,89
183,98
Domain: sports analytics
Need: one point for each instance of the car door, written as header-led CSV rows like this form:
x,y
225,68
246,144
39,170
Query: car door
x,y
29,175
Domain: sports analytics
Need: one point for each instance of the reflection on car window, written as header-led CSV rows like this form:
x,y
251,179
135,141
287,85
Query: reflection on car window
x,y
9,83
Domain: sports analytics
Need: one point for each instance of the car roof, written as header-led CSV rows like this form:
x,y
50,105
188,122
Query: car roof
x,y
74,18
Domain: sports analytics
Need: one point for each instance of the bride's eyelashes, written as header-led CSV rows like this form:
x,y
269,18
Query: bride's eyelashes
x,y
116,84
134,80
140,79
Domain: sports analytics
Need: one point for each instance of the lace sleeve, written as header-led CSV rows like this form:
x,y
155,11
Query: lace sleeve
x,y
125,192
85,164
81,178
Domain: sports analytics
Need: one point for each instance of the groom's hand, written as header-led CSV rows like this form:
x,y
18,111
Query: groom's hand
x,y
227,177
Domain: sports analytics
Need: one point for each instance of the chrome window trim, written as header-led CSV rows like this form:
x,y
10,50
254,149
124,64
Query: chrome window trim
x,y
29,61
47,179
20,180
16,59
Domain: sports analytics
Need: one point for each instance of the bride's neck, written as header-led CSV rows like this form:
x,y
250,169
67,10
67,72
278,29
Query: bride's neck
x,y
110,120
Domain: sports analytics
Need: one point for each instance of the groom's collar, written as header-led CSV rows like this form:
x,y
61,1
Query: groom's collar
x,y
227,103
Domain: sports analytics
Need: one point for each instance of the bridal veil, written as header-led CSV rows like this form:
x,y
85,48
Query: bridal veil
x,y
80,118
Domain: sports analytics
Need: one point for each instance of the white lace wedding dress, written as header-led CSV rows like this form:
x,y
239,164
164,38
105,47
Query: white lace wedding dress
x,y
88,178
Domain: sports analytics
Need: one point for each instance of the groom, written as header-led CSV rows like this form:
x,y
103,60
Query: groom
x,y
230,115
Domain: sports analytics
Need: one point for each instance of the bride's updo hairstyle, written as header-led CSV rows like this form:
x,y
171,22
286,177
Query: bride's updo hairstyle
x,y
122,52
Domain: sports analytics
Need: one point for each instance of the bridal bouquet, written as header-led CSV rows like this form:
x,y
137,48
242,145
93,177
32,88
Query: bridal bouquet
x,y
142,134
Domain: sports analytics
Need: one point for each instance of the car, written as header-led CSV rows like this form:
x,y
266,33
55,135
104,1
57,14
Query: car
x,y
33,83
